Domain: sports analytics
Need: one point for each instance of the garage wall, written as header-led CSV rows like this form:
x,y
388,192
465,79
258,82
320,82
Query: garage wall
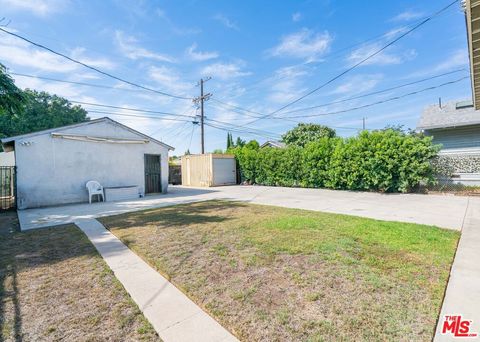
x,y
197,170
52,171
224,171
208,170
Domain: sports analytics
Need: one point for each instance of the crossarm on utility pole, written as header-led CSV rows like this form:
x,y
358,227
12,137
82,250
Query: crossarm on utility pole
x,y
201,99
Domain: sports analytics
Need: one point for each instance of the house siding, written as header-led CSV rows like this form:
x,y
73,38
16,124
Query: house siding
x,y
457,138
53,171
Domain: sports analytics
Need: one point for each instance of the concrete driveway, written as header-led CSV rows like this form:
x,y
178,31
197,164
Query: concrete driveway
x,y
439,210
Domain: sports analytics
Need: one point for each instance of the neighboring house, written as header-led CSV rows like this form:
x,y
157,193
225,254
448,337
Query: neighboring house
x,y
54,165
472,19
274,144
456,126
7,158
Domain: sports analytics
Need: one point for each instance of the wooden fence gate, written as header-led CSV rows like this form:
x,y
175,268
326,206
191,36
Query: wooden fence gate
x,y
7,188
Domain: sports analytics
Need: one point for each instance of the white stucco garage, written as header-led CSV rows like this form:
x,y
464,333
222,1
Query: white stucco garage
x,y
54,165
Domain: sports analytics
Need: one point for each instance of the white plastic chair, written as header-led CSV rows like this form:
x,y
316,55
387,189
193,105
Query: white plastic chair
x,y
94,188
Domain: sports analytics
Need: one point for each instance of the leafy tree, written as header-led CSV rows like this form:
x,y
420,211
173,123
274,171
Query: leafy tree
x,y
305,133
187,152
230,143
218,151
252,144
11,97
39,111
240,142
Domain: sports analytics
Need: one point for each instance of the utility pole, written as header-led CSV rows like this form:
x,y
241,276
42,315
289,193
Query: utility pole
x,y
363,123
200,100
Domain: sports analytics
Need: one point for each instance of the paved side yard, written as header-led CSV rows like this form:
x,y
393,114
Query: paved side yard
x,y
54,286
438,210
280,274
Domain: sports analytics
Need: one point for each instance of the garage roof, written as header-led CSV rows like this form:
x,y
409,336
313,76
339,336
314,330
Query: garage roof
x,y
9,141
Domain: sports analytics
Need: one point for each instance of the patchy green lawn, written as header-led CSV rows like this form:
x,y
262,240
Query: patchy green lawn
x,y
270,274
55,286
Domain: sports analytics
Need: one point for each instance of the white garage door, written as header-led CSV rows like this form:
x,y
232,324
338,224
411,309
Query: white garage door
x,y
224,171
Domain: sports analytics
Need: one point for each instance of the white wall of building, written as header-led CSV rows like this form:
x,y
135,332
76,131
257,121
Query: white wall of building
x,y
53,171
7,158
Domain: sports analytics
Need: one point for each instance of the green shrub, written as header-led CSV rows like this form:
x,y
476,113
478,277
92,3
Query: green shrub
x,y
386,160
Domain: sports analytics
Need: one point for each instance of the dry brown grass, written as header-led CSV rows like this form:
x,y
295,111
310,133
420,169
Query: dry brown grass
x,y
55,286
276,274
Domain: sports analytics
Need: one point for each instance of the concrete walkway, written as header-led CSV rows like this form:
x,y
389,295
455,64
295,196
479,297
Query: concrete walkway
x,y
463,291
173,315
439,210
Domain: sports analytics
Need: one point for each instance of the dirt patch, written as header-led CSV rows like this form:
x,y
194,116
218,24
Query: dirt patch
x,y
55,286
8,222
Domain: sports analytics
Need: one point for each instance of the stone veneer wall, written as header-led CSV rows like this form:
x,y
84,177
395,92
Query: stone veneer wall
x,y
461,163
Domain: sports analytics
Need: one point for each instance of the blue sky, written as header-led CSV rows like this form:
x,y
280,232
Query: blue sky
x,y
260,54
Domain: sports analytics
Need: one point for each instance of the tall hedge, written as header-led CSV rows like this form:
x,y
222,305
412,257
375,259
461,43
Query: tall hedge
x,y
386,160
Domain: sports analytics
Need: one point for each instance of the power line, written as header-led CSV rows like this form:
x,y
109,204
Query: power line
x,y
335,53
76,83
191,136
332,54
380,102
373,93
370,56
93,68
229,129
349,98
130,109
176,129
236,107
237,126
136,116
180,137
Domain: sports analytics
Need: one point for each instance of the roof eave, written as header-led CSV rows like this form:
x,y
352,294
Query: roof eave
x,y
427,128
472,17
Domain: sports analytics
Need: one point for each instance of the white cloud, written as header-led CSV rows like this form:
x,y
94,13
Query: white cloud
x,y
200,56
101,62
130,48
60,89
225,21
383,58
407,16
303,44
225,71
170,80
358,84
286,85
457,59
297,16
15,52
19,53
181,31
37,7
